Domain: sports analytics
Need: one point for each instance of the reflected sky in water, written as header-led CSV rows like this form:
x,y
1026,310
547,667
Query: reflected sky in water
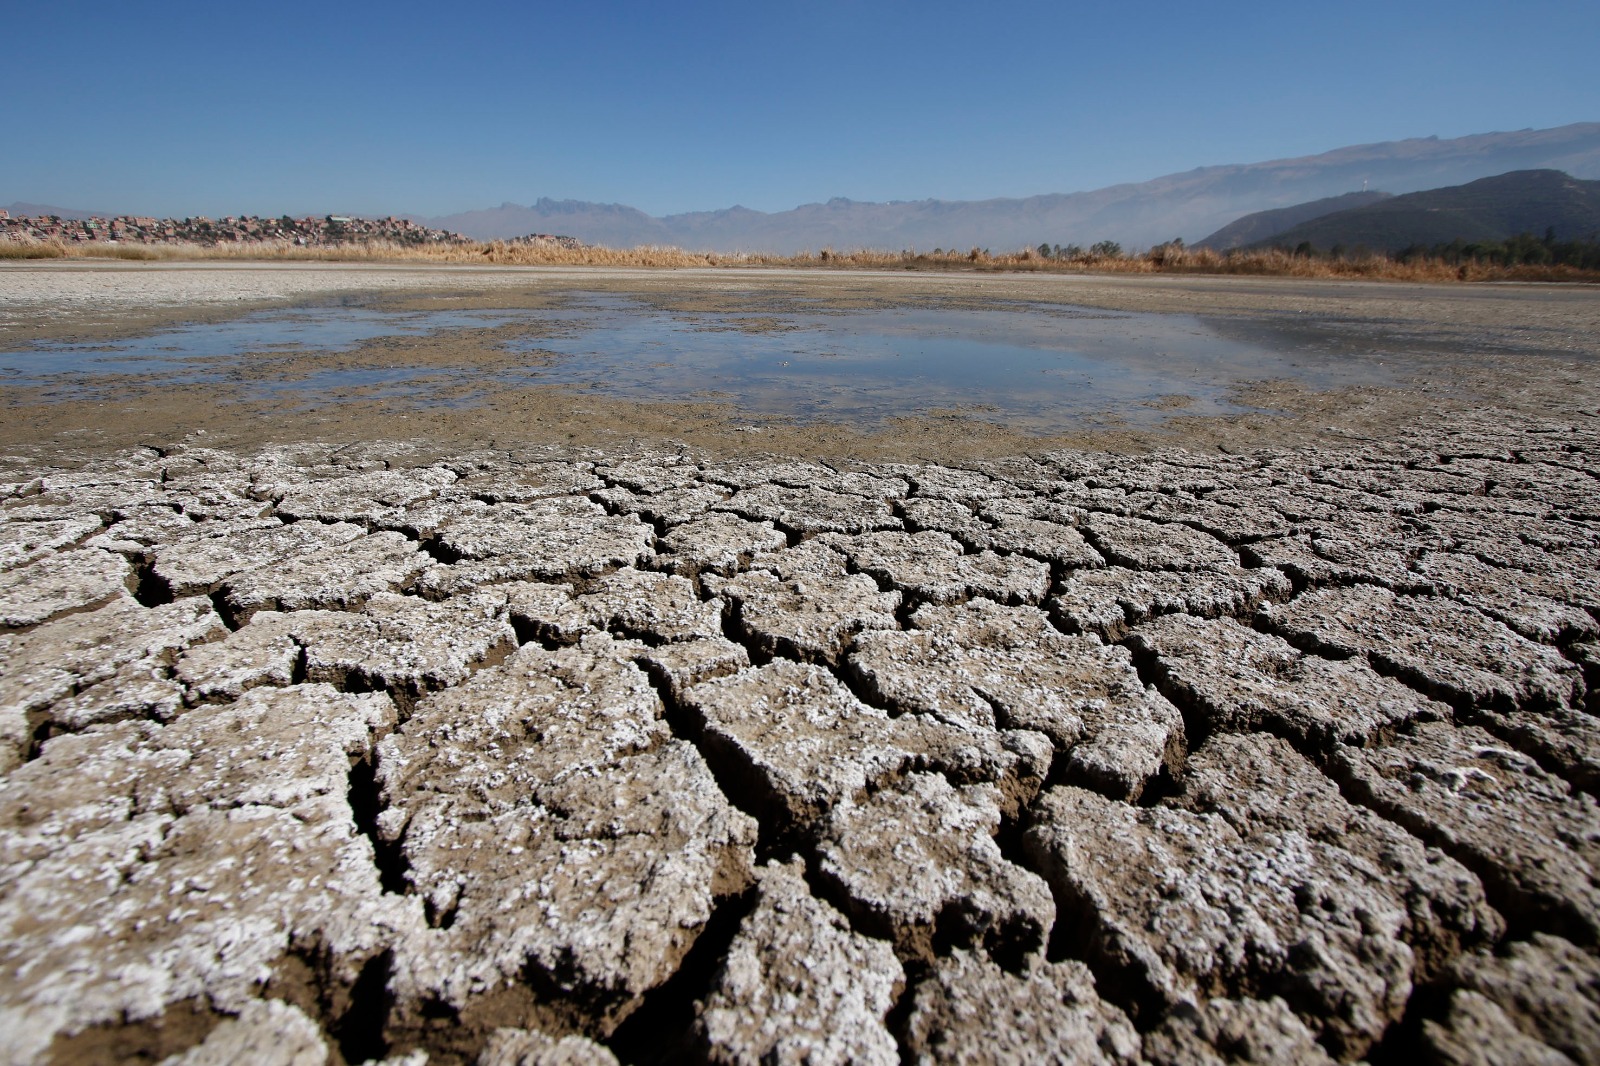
x,y
1042,368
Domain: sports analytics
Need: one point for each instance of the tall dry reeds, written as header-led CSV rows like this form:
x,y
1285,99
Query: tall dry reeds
x,y
91,249
1165,259
30,250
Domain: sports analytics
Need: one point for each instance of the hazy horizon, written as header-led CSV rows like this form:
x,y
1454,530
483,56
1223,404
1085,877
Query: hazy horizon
x,y
558,200
378,109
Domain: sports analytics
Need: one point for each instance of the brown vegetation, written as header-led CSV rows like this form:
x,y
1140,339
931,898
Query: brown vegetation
x,y
1163,259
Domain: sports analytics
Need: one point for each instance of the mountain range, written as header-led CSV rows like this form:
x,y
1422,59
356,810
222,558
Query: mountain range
x,y
1262,225
23,209
1535,202
1200,205
1188,205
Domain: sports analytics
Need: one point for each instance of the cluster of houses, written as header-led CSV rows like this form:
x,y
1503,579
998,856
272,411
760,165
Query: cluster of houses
x,y
305,232
327,231
548,240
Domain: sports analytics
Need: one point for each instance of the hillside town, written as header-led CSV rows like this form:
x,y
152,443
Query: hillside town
x,y
328,231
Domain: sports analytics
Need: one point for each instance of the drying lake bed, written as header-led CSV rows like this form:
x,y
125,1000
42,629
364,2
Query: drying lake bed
x,y
793,362
497,666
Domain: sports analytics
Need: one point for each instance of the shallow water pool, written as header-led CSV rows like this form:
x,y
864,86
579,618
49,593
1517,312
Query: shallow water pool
x,y
1036,367
1041,368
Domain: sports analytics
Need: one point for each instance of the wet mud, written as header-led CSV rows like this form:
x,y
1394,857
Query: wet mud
x,y
478,359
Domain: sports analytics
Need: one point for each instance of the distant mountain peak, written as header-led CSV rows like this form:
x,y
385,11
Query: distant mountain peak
x,y
1488,209
1264,225
24,209
1188,204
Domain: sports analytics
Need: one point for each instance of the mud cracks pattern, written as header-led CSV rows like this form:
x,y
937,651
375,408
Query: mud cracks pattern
x,y
359,753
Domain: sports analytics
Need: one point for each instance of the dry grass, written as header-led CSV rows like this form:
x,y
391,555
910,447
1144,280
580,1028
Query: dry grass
x,y
1272,263
503,253
90,249
499,253
30,250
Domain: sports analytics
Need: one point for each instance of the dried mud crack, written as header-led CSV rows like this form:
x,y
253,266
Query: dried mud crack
x,y
316,753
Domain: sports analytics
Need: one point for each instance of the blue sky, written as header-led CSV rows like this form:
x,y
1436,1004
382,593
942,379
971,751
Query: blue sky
x,y
217,108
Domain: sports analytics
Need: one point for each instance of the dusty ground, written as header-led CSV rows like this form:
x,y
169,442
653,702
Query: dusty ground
x,y
429,748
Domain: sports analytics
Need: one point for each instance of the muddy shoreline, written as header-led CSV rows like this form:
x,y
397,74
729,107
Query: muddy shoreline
x,y
1523,348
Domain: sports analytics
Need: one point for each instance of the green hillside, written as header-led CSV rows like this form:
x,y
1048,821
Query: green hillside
x,y
1261,225
1489,209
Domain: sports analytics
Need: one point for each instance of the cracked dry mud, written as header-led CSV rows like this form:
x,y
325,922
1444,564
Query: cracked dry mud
x,y
335,754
